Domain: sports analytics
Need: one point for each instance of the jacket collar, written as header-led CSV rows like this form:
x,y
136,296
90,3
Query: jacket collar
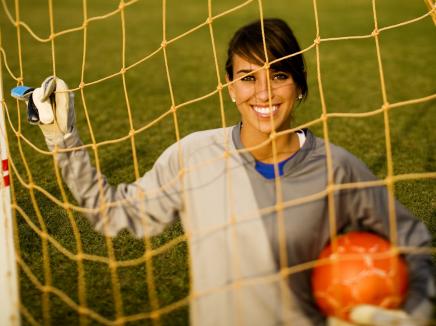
x,y
297,159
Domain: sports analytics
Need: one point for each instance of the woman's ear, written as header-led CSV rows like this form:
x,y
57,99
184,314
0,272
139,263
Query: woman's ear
x,y
230,88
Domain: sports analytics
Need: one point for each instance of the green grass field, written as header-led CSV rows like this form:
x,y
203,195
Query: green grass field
x,y
351,83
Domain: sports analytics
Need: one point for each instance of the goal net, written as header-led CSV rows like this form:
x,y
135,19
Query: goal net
x,y
147,73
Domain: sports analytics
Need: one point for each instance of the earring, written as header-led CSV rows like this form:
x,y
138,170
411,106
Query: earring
x,y
233,100
300,97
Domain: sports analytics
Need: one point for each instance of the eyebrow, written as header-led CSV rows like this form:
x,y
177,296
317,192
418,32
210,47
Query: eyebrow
x,y
248,71
244,71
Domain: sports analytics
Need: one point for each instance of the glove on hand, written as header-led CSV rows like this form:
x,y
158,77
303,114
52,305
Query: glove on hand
x,y
52,111
375,316
55,108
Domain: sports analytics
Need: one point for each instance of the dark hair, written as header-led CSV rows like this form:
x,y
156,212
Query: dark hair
x,y
280,41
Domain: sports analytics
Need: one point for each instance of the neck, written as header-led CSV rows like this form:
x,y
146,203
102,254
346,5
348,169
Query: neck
x,y
282,146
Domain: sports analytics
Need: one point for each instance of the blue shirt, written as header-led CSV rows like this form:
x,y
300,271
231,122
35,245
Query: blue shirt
x,y
267,170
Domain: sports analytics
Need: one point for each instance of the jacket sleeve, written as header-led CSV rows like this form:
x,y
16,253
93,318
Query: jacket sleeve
x,y
144,207
367,208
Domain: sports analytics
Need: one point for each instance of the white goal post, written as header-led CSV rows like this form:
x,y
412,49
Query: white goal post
x,y
9,307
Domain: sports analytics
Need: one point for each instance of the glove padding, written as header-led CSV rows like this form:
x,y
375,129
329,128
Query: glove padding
x,y
375,316
55,108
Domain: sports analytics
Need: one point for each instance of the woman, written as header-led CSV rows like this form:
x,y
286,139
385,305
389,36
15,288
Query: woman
x,y
219,181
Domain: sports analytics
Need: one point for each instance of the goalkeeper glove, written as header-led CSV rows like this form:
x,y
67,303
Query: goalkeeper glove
x,y
375,316
53,100
50,106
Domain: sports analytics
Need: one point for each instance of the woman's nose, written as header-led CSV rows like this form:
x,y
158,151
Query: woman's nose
x,y
261,90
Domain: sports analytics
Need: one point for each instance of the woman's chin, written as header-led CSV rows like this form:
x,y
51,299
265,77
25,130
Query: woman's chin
x,y
266,128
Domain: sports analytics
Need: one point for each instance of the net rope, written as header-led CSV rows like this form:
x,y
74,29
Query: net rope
x,y
39,226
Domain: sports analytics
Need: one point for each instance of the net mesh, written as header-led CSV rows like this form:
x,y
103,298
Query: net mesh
x,y
45,192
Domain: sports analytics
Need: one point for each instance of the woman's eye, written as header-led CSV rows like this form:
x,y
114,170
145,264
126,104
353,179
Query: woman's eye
x,y
280,76
248,78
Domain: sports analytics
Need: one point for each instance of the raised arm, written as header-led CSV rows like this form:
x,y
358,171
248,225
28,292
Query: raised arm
x,y
144,207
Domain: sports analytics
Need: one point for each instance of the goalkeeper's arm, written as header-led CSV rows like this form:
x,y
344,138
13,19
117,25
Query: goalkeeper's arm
x,y
144,207
368,209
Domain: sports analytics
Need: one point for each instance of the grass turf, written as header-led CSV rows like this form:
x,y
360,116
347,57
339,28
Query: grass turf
x,y
351,83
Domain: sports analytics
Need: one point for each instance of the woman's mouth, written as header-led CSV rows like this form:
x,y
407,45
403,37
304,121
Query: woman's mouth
x,y
265,111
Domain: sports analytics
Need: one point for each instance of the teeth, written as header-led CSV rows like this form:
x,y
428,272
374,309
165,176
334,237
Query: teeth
x,y
265,110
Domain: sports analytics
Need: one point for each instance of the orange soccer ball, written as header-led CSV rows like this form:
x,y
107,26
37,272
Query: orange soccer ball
x,y
361,270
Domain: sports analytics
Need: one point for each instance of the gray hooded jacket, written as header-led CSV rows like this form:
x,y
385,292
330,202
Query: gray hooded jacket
x,y
229,213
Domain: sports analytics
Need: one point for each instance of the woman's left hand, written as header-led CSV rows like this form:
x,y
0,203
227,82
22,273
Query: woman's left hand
x,y
375,316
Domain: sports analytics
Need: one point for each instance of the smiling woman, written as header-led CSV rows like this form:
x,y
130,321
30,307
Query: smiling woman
x,y
243,240
265,97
